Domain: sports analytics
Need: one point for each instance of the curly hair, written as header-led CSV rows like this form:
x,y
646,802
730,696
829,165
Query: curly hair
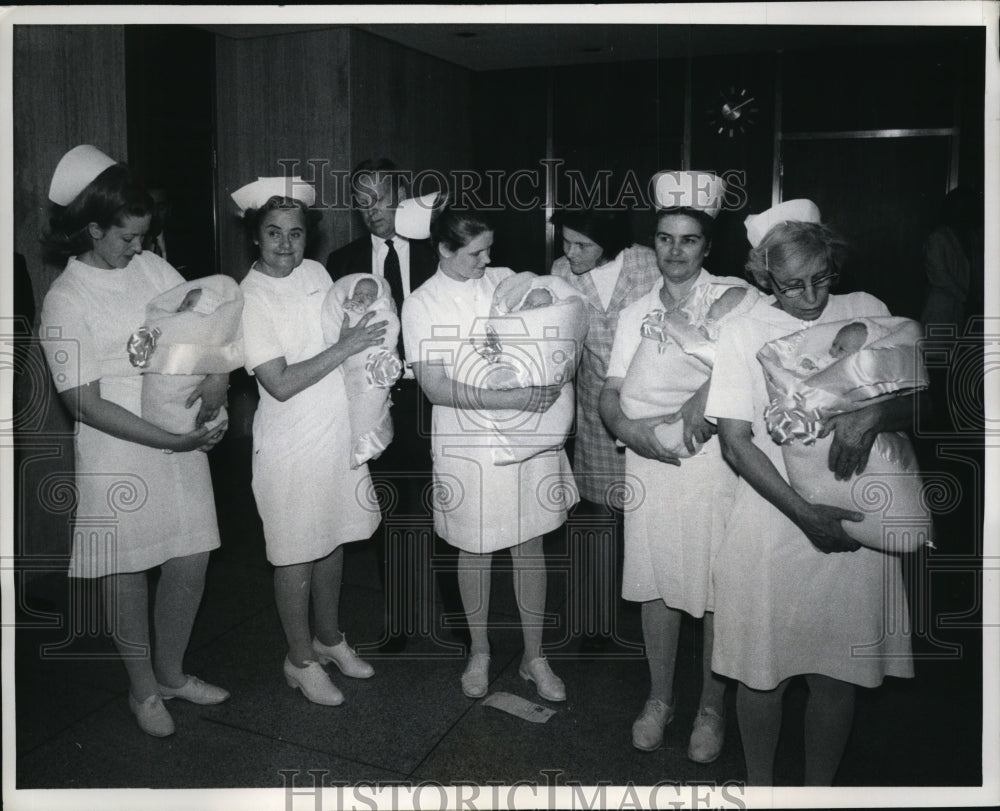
x,y
793,245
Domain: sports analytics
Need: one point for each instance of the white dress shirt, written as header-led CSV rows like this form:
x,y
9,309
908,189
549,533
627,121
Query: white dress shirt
x,y
605,277
379,252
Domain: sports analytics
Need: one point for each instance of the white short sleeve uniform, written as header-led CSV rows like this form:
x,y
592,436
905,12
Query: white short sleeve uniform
x,y
782,607
675,516
478,506
309,499
136,506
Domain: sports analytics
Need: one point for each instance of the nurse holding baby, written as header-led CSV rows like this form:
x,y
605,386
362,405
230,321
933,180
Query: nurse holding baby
x,y
310,499
673,532
795,595
155,483
481,507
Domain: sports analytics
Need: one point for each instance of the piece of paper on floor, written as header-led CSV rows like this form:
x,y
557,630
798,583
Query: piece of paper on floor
x,y
521,707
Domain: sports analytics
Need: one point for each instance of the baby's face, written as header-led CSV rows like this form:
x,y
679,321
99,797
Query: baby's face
x,y
849,339
365,292
538,297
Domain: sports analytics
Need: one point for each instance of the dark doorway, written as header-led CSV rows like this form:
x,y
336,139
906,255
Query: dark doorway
x,y
170,100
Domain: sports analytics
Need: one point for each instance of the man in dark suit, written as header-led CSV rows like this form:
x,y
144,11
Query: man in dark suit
x,y
402,473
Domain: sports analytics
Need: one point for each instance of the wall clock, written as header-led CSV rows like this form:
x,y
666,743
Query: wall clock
x,y
733,113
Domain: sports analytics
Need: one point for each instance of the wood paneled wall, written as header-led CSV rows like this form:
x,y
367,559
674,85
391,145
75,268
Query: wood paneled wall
x,y
409,107
69,89
327,100
629,116
509,115
281,100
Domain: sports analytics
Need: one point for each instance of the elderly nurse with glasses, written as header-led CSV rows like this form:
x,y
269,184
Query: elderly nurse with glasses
x,y
795,596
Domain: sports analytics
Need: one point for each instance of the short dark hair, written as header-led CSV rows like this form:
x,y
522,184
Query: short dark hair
x,y
106,201
706,221
456,228
609,229
795,244
373,172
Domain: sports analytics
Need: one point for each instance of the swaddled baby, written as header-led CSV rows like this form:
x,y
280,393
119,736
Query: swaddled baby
x,y
849,338
368,375
533,337
536,298
190,331
676,354
837,368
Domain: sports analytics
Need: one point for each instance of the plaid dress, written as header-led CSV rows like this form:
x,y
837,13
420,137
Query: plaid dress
x,y
599,466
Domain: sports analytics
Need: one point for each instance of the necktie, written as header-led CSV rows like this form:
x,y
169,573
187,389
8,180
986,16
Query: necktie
x,y
393,277
390,270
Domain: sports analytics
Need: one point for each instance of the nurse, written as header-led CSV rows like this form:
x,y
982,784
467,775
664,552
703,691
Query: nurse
x,y
155,483
796,595
481,507
310,500
672,534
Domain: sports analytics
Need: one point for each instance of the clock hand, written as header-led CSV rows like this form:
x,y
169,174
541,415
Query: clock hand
x,y
741,104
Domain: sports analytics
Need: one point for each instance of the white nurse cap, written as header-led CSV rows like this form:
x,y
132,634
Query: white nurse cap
x,y
758,225
702,191
77,169
413,216
254,195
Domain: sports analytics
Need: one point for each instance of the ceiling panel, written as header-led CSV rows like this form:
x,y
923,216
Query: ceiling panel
x,y
499,47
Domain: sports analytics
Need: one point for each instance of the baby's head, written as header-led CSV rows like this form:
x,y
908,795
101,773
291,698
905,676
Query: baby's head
x,y
849,338
365,293
537,297
190,300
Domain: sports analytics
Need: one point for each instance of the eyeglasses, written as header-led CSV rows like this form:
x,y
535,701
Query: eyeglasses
x,y
798,287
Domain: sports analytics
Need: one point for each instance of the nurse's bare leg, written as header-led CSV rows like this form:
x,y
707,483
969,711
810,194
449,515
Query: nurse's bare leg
x,y
126,601
291,593
530,582
661,626
713,689
829,717
759,714
327,575
178,595
474,586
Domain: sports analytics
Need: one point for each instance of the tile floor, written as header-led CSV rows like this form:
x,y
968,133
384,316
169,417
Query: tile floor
x,y
410,722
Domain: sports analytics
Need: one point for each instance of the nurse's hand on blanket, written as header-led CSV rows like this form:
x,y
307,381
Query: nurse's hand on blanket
x,y
212,391
361,336
854,433
821,524
640,436
696,427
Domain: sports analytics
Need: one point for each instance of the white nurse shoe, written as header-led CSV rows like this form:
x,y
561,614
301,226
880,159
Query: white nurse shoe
x,y
314,683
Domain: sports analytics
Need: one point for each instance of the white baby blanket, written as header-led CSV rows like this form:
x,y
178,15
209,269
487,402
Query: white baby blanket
x,y
368,375
807,384
530,347
190,331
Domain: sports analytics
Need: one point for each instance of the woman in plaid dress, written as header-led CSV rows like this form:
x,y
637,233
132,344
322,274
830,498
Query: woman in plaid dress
x,y
602,263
